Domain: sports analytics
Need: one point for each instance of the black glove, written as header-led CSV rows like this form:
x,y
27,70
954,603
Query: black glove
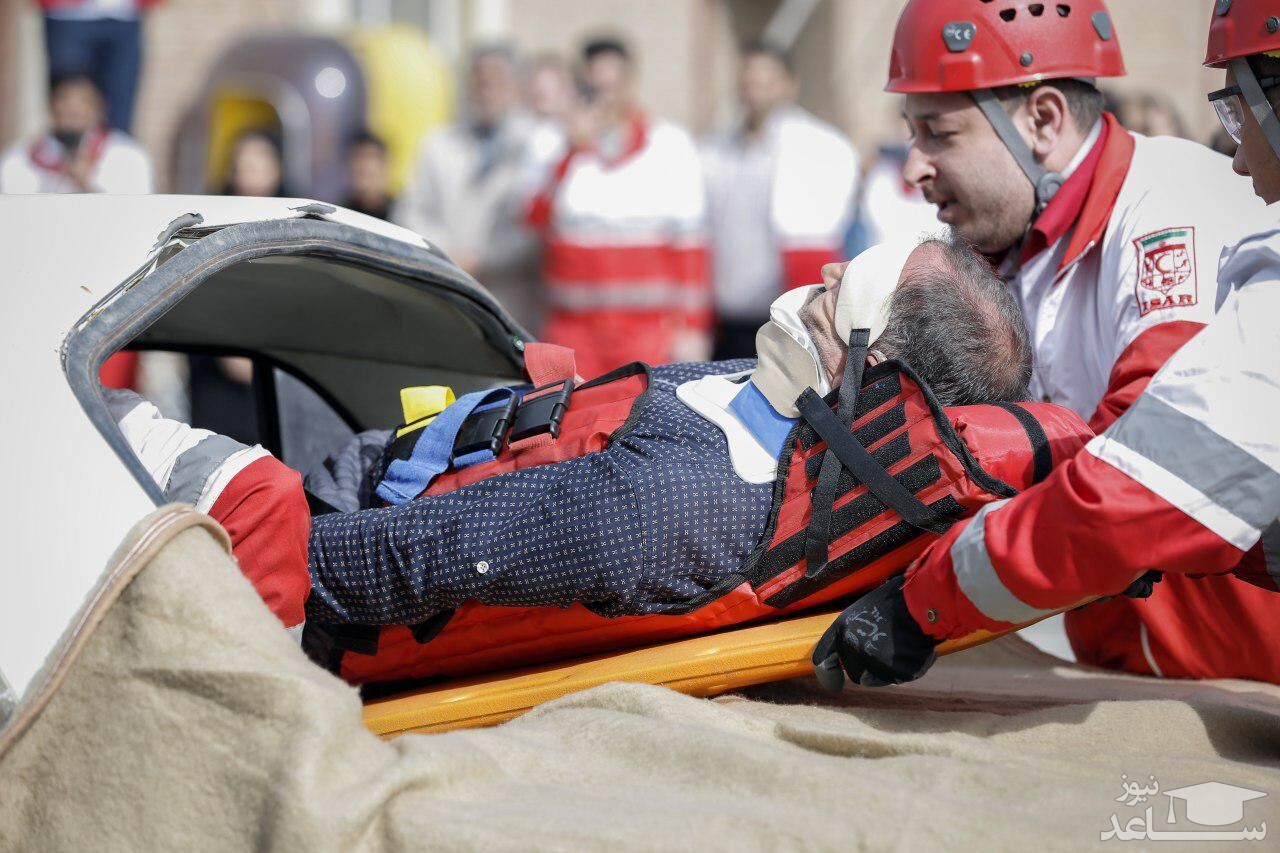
x,y
1144,585
876,641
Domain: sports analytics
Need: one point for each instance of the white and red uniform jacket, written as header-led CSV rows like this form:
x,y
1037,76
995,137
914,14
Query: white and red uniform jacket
x,y
812,190
1187,481
1120,271
625,252
254,496
120,166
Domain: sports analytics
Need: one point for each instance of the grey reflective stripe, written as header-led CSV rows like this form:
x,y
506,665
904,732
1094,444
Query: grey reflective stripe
x,y
1233,479
194,468
647,295
978,580
1271,551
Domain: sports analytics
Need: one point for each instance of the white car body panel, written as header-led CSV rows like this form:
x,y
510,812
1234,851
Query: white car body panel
x,y
68,500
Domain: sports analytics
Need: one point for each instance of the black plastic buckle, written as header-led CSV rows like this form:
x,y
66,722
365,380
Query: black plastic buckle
x,y
484,430
543,413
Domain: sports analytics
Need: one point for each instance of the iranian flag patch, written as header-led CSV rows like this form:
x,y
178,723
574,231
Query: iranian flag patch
x,y
1166,269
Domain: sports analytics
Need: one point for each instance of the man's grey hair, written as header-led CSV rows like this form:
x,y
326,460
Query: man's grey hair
x,y
959,328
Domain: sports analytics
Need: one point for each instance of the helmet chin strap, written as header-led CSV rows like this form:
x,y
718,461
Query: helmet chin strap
x,y
1046,183
1258,103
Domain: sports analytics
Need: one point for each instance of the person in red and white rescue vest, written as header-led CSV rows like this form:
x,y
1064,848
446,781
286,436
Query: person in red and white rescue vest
x,y
78,153
623,221
780,191
1187,480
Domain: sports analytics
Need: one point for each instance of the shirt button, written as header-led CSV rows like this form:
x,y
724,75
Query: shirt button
x,y
1046,399
931,615
482,567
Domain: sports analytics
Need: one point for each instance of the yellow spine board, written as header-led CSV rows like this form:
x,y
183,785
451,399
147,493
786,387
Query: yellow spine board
x,y
699,666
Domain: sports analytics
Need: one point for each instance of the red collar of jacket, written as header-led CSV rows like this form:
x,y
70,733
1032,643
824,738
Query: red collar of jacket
x,y
48,154
637,136
1087,199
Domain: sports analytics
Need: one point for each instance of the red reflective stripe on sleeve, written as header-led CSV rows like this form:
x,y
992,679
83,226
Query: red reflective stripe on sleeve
x,y
1136,365
804,266
621,264
692,272
1088,530
264,511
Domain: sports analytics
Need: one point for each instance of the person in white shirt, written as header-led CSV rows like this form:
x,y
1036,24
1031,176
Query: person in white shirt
x,y
780,191
461,196
79,153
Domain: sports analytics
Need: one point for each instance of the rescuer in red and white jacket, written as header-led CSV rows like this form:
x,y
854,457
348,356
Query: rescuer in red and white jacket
x,y
623,220
254,496
1109,240
1186,481
780,190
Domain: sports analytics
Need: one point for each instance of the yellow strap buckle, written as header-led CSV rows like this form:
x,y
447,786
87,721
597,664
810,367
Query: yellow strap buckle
x,y
421,404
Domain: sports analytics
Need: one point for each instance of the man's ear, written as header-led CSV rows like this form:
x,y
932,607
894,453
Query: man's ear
x,y
1047,114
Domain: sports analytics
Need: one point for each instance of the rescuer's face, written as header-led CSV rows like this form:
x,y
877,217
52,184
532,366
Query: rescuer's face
x,y
962,167
1254,157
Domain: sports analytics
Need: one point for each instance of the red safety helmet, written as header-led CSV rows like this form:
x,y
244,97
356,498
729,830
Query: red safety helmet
x,y
1241,28
959,45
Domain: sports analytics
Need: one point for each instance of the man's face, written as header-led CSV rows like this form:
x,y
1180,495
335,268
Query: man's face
x,y
764,85
255,168
75,107
494,88
1254,158
367,171
550,91
608,76
964,169
819,313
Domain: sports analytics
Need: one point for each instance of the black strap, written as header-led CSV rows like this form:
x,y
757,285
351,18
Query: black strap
x,y
1041,453
858,460
317,505
818,533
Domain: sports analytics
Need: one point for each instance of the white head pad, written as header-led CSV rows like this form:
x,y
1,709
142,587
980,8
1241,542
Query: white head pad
x,y
867,284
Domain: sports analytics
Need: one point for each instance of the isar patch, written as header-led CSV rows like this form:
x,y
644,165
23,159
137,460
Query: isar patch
x,y
1166,269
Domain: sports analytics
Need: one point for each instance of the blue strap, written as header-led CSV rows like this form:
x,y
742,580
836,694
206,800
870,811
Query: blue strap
x,y
762,420
407,478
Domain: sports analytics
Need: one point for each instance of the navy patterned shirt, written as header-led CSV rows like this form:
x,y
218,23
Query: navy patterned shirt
x,y
644,526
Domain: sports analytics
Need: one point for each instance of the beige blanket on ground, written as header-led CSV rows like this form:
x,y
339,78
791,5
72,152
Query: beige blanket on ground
x,y
192,722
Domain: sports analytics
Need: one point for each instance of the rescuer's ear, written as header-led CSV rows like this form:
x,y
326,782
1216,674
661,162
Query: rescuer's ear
x,y
1047,114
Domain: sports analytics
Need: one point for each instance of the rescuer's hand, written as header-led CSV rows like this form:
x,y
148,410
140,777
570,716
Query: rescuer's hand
x,y
876,642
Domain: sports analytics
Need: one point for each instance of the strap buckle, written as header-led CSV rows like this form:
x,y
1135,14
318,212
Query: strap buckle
x,y
483,429
542,410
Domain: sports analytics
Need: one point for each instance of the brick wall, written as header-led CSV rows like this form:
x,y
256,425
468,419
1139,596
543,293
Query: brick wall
x,y
183,38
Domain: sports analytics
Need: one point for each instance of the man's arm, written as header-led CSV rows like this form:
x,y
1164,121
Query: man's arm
x,y
255,497
1186,480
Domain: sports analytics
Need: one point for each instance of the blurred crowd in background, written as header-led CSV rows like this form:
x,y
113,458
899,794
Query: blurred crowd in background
x,y
596,222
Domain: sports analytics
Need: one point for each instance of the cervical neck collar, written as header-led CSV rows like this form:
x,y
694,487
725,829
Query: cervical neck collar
x,y
788,357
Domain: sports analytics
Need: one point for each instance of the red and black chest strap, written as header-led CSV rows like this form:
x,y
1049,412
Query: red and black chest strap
x,y
847,463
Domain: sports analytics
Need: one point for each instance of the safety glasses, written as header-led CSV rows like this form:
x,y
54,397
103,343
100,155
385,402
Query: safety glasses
x,y
1230,109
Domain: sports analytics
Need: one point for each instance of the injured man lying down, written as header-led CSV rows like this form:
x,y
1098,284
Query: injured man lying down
x,y
882,408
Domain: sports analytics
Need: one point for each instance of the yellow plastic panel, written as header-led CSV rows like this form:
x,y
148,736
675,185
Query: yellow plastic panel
x,y
699,666
234,111
409,88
